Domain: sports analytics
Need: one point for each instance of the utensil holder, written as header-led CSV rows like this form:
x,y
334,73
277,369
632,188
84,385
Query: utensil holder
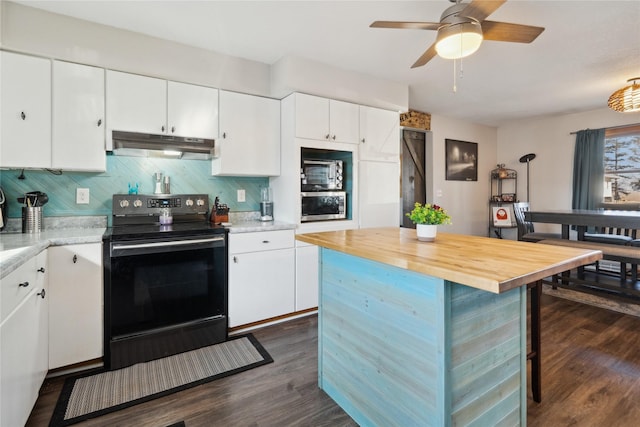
x,y
32,219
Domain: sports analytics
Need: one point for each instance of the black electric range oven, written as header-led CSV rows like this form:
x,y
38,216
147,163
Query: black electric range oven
x,y
165,286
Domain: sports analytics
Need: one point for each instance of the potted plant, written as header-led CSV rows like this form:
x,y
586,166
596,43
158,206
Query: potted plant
x,y
427,217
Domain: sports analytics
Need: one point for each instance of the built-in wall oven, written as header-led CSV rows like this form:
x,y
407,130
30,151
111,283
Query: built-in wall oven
x,y
165,284
323,205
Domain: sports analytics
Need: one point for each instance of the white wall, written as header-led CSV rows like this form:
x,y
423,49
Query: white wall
x,y
33,31
466,201
291,74
551,140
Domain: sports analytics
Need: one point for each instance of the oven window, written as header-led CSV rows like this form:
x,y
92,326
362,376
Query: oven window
x,y
151,291
317,174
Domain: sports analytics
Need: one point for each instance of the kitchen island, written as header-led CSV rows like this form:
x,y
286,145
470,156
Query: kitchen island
x,y
428,333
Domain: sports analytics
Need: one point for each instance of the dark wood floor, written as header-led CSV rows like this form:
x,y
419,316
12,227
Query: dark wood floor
x,y
591,377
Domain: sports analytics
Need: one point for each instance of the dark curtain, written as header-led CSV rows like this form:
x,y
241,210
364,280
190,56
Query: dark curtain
x,y
588,169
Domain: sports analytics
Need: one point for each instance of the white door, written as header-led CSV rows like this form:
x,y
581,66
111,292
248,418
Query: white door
x,y
75,287
261,285
135,104
344,118
249,143
25,111
192,110
312,117
78,118
379,134
307,271
379,201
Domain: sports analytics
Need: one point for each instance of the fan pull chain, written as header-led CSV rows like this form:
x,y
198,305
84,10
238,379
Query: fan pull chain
x,y
455,89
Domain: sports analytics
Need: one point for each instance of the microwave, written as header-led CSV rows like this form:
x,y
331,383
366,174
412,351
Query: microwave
x,y
323,205
321,175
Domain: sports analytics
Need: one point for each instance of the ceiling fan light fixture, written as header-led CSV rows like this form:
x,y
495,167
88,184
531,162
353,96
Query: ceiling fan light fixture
x,y
458,40
627,99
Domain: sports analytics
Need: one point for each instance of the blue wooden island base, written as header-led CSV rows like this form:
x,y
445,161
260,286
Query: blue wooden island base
x,y
400,348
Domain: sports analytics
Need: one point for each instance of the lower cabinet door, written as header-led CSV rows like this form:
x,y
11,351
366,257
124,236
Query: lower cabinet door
x,y
23,363
75,283
307,277
261,285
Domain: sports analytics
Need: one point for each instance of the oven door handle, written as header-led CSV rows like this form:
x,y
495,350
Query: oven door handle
x,y
158,245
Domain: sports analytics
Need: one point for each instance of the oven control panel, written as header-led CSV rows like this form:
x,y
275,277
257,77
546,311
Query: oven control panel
x,y
140,204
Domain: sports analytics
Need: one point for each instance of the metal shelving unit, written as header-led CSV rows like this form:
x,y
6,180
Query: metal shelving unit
x,y
504,183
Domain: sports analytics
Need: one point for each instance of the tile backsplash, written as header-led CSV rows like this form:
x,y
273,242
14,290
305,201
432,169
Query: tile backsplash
x,y
187,176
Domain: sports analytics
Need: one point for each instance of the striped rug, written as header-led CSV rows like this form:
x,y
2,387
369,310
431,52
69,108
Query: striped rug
x,y
85,397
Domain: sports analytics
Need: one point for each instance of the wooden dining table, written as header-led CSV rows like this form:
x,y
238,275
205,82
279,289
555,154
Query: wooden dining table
x,y
584,218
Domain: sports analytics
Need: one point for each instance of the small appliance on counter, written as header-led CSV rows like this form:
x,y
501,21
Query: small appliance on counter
x,y
266,204
220,212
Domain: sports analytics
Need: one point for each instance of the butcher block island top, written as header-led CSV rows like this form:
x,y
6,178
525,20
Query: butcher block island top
x,y
493,265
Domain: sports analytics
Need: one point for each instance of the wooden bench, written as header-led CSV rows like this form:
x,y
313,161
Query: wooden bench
x,y
621,253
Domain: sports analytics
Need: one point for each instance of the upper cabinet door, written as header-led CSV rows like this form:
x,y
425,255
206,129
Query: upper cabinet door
x,y
78,117
249,143
25,111
136,104
312,117
343,121
379,134
192,110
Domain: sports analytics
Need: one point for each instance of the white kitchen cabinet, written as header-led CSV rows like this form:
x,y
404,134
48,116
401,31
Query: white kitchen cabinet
x,y
25,111
379,134
379,194
261,276
135,103
326,119
78,118
75,289
24,342
150,105
307,270
192,110
249,142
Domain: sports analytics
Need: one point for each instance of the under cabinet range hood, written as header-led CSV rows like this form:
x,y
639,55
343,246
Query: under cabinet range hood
x,y
168,146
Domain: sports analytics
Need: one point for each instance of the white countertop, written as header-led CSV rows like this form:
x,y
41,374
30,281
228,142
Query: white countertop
x,y
250,226
17,248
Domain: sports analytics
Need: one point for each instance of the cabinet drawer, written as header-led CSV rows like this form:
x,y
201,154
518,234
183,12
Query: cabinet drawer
x,y
11,292
260,241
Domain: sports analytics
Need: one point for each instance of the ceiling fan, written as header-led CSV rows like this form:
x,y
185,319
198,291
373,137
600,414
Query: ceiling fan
x,y
462,28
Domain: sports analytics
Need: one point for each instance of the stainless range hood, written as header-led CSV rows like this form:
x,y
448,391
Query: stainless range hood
x,y
151,145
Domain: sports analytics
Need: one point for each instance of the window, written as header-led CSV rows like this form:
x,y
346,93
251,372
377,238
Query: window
x,y
622,164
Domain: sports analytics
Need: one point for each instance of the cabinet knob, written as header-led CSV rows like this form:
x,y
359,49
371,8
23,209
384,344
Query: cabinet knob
x,y
75,259
224,135
42,293
173,129
99,122
41,270
235,260
333,137
23,284
162,128
265,241
23,115
363,141
327,136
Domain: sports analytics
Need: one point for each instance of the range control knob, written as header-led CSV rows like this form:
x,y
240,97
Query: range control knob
x,y
124,203
189,202
137,203
200,202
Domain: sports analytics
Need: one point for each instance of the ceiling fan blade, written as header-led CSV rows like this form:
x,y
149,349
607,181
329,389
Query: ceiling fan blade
x,y
426,56
506,32
480,9
406,25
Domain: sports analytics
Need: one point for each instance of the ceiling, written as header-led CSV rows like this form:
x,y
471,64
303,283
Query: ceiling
x,y
588,50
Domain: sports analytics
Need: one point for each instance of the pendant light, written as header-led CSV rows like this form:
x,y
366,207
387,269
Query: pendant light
x,y
627,99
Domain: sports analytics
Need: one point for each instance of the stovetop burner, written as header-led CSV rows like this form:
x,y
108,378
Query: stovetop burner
x,y
137,216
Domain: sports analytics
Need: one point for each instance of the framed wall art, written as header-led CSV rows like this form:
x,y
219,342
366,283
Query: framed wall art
x,y
461,160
